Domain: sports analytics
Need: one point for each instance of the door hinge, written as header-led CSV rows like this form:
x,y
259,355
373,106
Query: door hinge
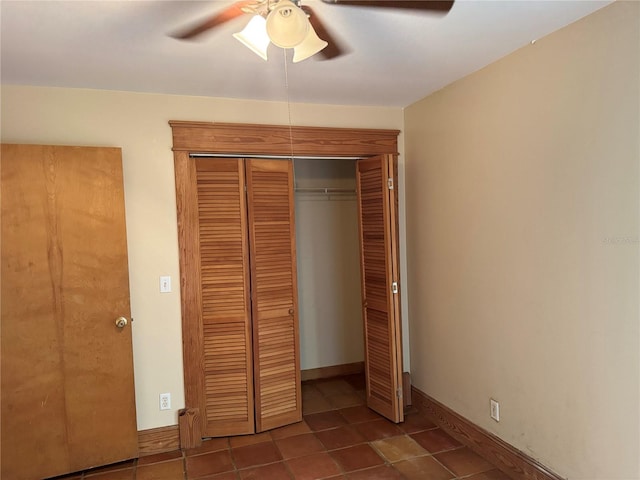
x,y
399,392
394,287
390,183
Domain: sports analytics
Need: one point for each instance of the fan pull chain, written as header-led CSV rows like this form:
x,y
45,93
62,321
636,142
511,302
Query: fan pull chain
x,y
286,86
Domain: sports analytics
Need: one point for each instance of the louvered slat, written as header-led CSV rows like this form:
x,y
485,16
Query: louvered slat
x,y
378,250
224,276
275,306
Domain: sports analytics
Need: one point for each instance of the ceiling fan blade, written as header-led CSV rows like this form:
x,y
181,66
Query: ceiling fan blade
x,y
442,6
219,18
334,49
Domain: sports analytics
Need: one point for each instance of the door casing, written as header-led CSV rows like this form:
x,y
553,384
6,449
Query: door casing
x,y
245,140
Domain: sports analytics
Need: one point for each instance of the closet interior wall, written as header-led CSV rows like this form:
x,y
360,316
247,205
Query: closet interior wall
x,y
329,286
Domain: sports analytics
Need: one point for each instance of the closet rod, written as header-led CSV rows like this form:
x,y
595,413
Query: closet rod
x,y
327,191
270,157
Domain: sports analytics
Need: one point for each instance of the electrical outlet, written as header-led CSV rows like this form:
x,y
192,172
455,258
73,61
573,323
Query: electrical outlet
x,y
495,410
165,401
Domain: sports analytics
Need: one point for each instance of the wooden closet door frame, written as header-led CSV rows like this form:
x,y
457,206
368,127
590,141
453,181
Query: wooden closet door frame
x,y
237,140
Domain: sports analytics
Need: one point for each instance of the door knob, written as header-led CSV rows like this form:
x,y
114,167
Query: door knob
x,y
291,311
121,322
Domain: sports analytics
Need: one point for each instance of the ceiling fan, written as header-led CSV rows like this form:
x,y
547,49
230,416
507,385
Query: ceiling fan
x,y
290,24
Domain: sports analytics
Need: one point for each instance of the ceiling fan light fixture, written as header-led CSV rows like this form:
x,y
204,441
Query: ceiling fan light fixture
x,y
311,45
287,25
254,36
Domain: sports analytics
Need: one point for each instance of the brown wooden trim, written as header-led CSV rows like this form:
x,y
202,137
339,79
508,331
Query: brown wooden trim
x,y
332,371
231,138
406,389
189,246
513,462
189,428
158,440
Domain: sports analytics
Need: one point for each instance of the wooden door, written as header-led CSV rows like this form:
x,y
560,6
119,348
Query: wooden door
x,y
377,215
225,323
67,369
276,347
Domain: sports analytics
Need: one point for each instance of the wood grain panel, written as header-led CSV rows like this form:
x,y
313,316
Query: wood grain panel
x,y
278,139
381,314
274,300
64,282
509,459
224,290
158,440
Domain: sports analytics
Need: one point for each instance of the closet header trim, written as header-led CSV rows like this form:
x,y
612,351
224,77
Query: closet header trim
x,y
281,140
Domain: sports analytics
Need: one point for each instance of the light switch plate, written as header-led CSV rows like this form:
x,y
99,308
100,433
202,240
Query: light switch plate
x,y
165,284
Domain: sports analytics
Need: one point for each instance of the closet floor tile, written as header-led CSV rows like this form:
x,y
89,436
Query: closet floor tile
x,y
345,436
378,429
325,420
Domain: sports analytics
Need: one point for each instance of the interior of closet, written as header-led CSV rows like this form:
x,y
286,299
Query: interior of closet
x,y
329,284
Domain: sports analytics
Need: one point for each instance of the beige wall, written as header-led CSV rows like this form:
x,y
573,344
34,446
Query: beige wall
x,y
522,236
138,124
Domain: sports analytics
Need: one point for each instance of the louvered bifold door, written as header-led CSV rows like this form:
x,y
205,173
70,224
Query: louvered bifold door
x,y
274,297
224,283
376,187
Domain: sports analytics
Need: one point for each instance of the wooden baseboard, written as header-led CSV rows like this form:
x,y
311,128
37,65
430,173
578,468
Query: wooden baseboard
x,y
158,440
507,458
332,371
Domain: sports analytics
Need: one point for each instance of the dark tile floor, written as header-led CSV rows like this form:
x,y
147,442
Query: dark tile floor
x,y
339,438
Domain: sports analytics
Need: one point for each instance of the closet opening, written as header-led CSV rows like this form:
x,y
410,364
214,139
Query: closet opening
x,y
329,280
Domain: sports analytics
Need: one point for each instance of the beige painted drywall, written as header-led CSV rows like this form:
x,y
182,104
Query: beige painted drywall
x,y
522,235
139,124
329,294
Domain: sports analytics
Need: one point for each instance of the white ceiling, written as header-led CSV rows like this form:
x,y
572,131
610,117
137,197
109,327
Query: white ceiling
x,y
394,57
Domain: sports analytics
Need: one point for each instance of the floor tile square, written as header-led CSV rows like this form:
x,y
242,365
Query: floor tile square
x,y
209,445
399,448
221,476
342,400
490,475
324,420
171,470
416,422
384,472
356,457
315,405
334,387
244,440
110,468
300,445
357,381
258,454
435,441
275,471
378,429
290,430
463,462
159,457
422,468
359,414
208,464
340,437
313,467
126,474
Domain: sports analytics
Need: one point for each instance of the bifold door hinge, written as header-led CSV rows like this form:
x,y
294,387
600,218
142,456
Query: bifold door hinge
x,y
394,287
390,183
399,392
